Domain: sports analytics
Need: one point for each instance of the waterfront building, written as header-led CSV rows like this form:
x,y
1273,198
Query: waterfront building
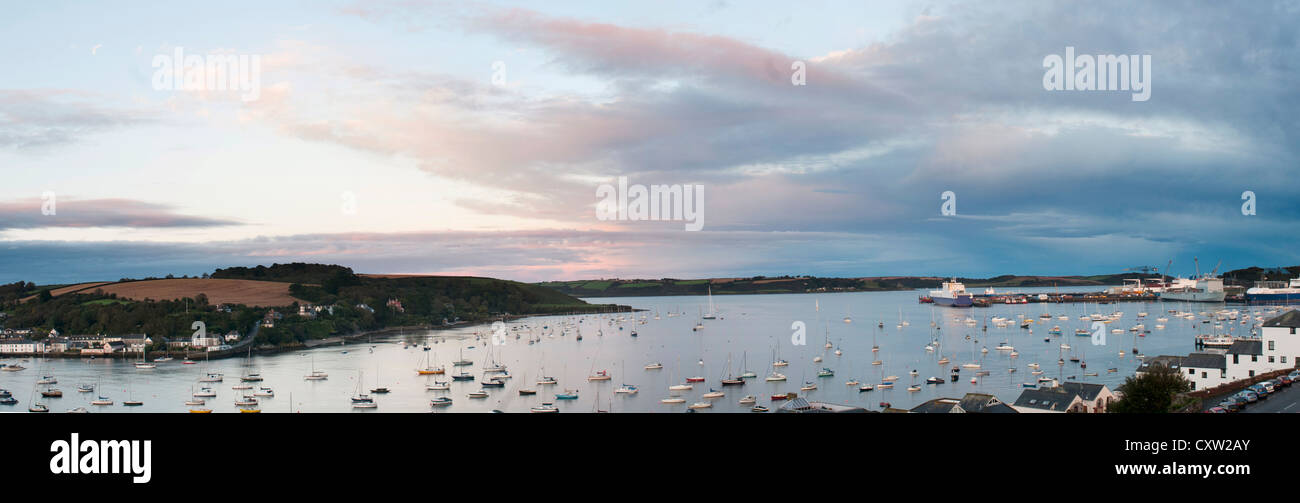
x,y
803,406
1277,348
972,403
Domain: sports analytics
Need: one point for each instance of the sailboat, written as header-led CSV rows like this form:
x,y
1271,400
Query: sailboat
x,y
250,376
143,364
378,389
731,380
428,368
131,401
712,314
744,365
315,375
361,400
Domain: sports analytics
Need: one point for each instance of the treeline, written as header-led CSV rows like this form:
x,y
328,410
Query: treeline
x,y
297,272
97,313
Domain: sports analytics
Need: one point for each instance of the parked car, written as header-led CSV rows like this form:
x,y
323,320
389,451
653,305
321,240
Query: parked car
x,y
1268,385
1294,375
1260,390
1237,399
1216,410
1249,396
1283,380
1230,405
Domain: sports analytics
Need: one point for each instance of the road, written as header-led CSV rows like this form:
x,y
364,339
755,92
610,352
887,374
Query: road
x,y
1283,400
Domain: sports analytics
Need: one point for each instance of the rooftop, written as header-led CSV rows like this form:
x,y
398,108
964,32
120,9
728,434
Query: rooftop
x,y
1246,348
1054,399
1290,319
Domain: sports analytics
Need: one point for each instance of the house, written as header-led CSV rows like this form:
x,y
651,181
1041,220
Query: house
x,y
57,344
307,311
1095,398
1053,399
803,406
971,403
232,336
114,347
367,308
396,305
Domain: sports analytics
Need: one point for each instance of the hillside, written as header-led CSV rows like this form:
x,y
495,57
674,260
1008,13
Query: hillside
x,y
809,284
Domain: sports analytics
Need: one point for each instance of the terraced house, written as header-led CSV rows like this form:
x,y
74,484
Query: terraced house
x,y
1277,348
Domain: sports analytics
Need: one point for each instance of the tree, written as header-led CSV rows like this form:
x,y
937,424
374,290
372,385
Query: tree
x,y
1151,392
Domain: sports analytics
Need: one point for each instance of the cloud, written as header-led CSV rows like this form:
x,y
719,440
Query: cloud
x,y
82,213
38,118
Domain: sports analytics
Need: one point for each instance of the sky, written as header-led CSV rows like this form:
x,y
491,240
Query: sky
x,y
473,137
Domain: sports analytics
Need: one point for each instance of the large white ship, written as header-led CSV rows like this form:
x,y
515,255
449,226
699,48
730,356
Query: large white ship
x,y
1274,292
953,294
1205,288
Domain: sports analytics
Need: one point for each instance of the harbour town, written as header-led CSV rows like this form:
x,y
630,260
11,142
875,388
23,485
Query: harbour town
x,y
1030,350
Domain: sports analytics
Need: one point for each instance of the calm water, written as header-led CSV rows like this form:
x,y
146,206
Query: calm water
x,y
750,329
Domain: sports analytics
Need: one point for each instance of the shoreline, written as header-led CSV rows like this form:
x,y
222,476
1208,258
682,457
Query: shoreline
x,y
311,344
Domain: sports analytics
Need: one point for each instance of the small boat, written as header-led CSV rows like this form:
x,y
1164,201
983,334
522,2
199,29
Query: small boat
x,y
654,366
602,375
200,411
441,401
748,399
544,408
867,387
808,386
255,411
673,400
102,400
78,410
38,407
249,401
695,379
825,372
934,380
85,388
545,380
190,362
478,394
242,386
627,389
264,392
47,380
132,403
204,393
913,388
713,394
569,394
195,402
700,405
486,383
758,408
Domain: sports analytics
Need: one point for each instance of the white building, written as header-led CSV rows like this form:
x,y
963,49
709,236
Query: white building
x,y
15,346
1277,348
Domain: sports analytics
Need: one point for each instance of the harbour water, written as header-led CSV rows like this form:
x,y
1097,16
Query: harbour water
x,y
750,331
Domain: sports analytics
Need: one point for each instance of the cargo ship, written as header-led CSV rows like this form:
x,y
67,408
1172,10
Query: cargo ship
x,y
1205,288
1274,292
952,294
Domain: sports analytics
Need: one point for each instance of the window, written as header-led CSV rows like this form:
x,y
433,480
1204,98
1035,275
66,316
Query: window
x,y
1202,375
1270,359
1254,358
1292,330
1235,359
1191,371
1270,345
1252,373
1223,373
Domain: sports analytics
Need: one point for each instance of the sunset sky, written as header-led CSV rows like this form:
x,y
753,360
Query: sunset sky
x,y
395,103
